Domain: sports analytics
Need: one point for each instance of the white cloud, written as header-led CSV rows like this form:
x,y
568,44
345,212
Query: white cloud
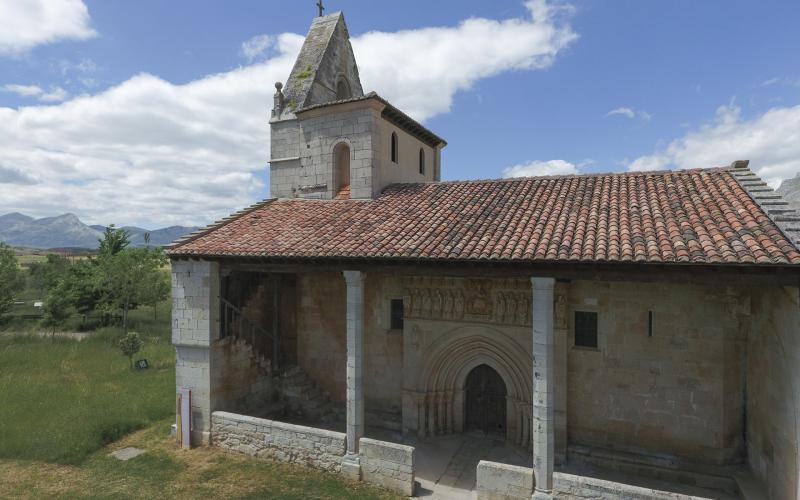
x,y
149,152
29,23
771,141
256,47
536,168
56,94
622,111
421,70
23,90
630,113
784,81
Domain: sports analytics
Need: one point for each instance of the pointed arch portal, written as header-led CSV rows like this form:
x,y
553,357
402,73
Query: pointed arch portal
x,y
453,366
485,401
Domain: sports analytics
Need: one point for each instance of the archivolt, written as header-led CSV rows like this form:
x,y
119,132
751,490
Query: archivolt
x,y
450,359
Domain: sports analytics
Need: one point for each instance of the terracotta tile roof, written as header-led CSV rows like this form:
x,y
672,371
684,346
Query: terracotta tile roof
x,y
689,216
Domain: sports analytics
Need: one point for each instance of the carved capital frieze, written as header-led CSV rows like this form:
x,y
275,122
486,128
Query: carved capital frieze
x,y
505,301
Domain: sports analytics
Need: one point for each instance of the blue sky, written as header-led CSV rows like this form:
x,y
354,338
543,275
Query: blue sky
x,y
153,113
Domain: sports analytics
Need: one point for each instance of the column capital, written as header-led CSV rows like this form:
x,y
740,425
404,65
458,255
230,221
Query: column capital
x,y
353,277
543,283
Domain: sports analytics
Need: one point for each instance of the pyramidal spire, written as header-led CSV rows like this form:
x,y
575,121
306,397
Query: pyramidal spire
x,y
326,69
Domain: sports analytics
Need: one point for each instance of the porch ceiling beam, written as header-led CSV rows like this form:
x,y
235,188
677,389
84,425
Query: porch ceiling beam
x,y
745,276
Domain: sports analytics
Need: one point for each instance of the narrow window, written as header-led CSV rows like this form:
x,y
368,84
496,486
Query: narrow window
x,y
649,323
394,147
585,329
422,161
397,314
341,171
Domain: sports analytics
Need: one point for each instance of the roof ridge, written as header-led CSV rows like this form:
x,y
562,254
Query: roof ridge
x,y
634,173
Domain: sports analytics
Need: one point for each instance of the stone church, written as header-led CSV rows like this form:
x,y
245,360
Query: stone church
x,y
628,335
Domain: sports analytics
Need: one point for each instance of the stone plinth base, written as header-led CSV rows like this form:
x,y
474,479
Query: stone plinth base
x,y
351,467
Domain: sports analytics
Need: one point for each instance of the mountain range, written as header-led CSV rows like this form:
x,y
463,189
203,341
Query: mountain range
x,y
67,231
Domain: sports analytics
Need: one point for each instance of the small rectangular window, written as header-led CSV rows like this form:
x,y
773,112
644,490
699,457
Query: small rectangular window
x,y
586,329
397,314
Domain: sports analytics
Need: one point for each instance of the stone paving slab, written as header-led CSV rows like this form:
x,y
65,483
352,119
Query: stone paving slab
x,y
128,453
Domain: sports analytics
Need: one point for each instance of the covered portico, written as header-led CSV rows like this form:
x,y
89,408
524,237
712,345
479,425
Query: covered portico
x,y
440,346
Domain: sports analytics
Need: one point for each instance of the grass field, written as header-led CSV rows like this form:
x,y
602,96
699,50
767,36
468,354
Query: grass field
x,y
61,399
165,471
66,404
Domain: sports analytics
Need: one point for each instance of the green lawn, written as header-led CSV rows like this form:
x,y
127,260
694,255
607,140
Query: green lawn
x,y
165,471
66,404
62,399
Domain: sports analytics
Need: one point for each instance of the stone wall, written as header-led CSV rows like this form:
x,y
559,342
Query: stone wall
x,y
314,135
388,465
570,487
258,437
773,390
678,392
195,290
307,145
406,170
496,481
675,395
221,373
243,383
322,350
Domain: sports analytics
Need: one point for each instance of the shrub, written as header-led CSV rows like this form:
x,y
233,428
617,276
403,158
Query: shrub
x,y
130,344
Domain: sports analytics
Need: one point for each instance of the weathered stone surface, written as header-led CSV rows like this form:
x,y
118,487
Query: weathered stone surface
x,y
318,448
126,454
325,60
773,390
678,393
497,481
387,464
571,487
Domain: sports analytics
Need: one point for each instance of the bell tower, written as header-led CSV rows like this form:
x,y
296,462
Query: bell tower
x,y
329,140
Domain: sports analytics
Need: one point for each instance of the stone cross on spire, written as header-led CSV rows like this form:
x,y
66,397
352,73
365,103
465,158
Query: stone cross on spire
x,y
321,8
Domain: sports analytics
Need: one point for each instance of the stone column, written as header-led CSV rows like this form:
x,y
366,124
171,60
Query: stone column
x,y
560,368
543,395
195,328
351,464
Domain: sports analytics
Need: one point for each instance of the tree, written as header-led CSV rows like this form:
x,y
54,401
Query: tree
x,y
46,275
57,307
81,285
11,280
155,286
114,241
130,344
125,278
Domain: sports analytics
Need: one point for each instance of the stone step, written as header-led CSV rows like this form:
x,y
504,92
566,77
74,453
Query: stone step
x,y
781,211
774,203
768,197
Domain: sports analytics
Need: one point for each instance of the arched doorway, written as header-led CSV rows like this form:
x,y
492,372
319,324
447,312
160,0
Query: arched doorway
x,y
341,171
485,401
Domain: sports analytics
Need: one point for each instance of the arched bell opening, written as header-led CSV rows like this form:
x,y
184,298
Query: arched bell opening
x,y
341,171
